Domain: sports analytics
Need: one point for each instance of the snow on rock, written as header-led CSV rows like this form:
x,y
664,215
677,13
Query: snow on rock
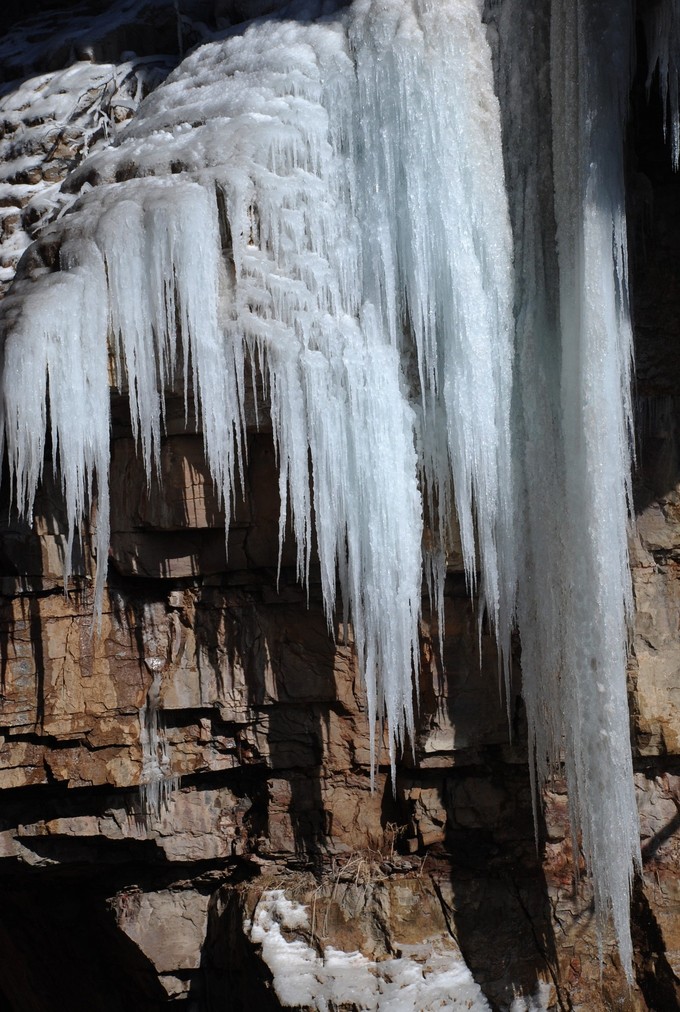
x,y
48,124
423,978
540,1001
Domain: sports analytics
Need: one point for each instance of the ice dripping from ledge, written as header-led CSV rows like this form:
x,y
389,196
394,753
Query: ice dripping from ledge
x,y
277,169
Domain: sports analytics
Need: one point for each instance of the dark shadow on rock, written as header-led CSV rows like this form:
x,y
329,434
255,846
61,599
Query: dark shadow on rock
x,y
61,948
232,973
653,191
466,805
654,975
499,892
234,976
263,627
502,915
286,656
32,559
654,843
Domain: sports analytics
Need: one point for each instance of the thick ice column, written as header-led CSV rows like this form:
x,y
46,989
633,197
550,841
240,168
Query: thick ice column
x,y
572,414
590,77
342,422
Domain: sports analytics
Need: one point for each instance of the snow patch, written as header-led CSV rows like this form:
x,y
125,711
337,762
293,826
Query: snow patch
x,y
423,979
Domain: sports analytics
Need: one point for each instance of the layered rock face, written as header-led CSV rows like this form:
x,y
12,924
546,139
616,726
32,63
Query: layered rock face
x,y
187,807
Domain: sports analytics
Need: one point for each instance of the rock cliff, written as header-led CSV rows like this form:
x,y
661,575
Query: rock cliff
x,y
256,857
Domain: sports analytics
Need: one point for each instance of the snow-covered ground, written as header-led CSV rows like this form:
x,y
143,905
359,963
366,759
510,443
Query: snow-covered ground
x,y
430,977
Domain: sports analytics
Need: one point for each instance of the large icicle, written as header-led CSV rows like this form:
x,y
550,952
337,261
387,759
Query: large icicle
x,y
591,64
572,416
55,378
438,264
522,33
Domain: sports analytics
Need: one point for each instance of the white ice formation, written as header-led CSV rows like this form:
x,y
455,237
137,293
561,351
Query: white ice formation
x,y
52,118
333,201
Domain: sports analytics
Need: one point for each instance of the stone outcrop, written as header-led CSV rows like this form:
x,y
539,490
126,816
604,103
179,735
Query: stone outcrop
x,y
263,721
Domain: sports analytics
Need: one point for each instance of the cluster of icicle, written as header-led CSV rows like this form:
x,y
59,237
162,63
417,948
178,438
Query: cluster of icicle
x,y
328,201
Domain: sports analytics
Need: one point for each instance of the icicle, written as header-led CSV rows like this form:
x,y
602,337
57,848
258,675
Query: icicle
x,y
438,258
591,63
156,782
572,416
523,39
55,373
662,29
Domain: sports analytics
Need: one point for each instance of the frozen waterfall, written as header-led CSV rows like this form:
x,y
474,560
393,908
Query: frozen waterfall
x,y
346,203
572,382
